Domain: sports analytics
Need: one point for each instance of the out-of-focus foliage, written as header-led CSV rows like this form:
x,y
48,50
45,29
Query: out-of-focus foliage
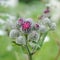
x,y
27,1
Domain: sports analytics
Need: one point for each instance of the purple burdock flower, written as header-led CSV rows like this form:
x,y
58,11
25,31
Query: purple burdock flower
x,y
26,26
47,10
20,21
36,26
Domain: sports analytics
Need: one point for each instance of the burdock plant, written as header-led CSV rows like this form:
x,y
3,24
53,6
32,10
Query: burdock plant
x,y
30,34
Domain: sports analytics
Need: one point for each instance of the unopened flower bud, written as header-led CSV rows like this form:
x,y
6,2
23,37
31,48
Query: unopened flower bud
x,y
43,29
33,36
46,21
14,33
53,26
21,40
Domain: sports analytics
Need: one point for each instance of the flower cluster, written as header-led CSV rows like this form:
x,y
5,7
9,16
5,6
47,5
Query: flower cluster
x,y
25,27
27,31
46,21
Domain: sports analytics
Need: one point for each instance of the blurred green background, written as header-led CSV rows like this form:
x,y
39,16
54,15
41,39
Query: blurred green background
x,y
32,9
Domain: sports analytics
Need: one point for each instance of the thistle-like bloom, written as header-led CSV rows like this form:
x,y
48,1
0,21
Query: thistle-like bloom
x,y
46,14
26,26
20,21
36,26
47,10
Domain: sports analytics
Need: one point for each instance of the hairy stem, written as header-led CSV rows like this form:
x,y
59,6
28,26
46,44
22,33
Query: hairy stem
x,y
41,42
29,54
43,38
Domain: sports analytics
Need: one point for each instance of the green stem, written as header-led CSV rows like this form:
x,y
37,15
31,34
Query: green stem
x,y
43,39
34,50
29,54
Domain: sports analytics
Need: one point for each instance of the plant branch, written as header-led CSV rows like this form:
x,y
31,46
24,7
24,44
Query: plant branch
x,y
29,54
43,38
40,42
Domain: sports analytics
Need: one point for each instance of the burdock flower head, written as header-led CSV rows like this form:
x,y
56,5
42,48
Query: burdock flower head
x,y
26,26
20,21
47,10
36,26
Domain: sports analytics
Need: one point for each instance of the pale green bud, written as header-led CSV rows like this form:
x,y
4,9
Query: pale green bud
x,y
53,26
21,40
33,36
14,33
